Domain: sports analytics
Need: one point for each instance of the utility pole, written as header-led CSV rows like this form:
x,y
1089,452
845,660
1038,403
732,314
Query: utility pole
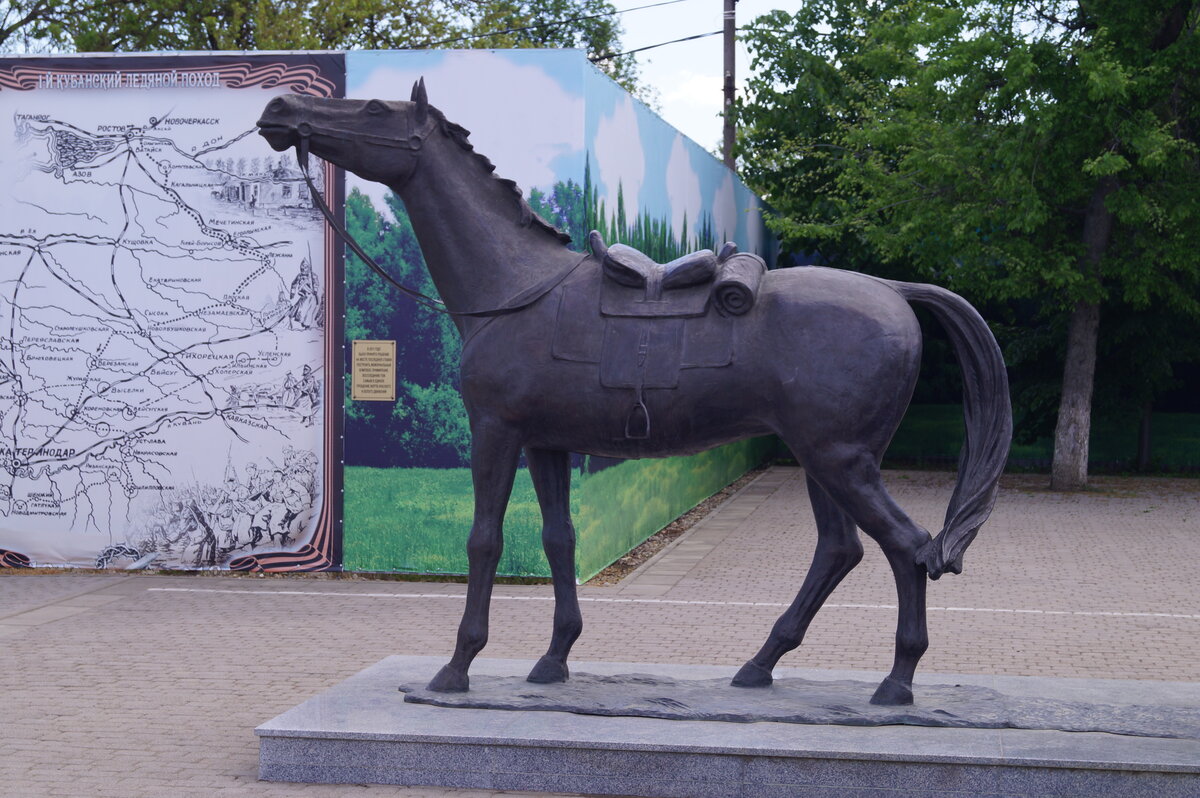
x,y
730,34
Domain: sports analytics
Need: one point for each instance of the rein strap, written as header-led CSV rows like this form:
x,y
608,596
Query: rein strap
x,y
520,302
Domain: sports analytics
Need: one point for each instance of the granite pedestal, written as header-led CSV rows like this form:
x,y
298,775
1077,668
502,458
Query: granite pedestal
x,y
362,731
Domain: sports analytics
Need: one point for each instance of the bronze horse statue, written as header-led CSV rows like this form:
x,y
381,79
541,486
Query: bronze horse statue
x,y
827,360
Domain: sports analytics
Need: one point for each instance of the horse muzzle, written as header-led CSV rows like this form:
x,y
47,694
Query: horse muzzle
x,y
279,137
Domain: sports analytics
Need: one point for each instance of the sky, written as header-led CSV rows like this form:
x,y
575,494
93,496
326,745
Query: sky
x,y
687,76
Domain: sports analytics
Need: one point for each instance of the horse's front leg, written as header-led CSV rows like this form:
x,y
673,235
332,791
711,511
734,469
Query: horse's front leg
x,y
495,448
551,473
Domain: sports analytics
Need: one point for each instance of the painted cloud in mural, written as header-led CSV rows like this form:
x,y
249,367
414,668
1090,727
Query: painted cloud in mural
x,y
523,119
725,209
620,160
752,214
683,187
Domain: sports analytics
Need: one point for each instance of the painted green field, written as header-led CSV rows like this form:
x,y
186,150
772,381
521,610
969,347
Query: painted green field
x,y
622,506
416,520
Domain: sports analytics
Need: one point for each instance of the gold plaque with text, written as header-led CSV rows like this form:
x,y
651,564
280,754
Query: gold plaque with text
x,y
373,371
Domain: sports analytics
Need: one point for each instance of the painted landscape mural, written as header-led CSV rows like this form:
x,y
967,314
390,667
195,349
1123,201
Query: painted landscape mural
x,y
588,156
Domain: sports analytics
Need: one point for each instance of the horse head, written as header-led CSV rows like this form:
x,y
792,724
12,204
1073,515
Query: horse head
x,y
376,140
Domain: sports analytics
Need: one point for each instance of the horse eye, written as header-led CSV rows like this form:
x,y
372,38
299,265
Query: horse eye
x,y
376,107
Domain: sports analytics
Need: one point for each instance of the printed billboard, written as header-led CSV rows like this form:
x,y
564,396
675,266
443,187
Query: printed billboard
x,y
587,156
170,366
172,378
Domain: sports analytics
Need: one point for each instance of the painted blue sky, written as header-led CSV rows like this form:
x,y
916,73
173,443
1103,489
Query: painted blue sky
x,y
666,174
538,114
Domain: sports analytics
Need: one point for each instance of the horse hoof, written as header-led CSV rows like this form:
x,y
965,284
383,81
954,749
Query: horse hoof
x,y
753,675
450,680
892,693
548,671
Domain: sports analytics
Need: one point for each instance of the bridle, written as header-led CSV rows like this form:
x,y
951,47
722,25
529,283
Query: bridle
x,y
412,142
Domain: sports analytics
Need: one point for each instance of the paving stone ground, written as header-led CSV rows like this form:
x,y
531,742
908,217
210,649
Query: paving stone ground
x,y
137,686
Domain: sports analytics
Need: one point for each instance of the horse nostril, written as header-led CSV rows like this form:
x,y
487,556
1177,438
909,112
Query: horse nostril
x,y
276,105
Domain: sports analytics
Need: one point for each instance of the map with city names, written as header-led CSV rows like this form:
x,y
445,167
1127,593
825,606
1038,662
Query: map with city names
x,y
162,297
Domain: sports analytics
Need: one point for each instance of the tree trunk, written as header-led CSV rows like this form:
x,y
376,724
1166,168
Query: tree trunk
x,y
1069,469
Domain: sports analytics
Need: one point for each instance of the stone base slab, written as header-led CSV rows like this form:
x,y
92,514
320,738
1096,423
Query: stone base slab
x,y
362,731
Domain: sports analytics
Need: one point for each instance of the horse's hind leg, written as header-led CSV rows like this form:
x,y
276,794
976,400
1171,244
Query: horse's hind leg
x,y
494,454
853,481
838,551
551,473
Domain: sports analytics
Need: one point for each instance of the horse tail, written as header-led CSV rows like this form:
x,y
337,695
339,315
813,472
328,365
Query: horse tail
x,y
987,412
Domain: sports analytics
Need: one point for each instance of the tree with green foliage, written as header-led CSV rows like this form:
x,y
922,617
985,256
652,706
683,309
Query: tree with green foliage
x,y
1041,151
29,25
254,25
427,425
588,25
147,25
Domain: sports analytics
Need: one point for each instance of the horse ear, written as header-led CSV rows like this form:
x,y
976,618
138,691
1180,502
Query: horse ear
x,y
422,100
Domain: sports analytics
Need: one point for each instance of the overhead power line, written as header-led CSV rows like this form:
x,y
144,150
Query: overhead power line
x,y
606,56
567,21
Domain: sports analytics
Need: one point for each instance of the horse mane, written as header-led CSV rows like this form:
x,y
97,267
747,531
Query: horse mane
x,y
458,134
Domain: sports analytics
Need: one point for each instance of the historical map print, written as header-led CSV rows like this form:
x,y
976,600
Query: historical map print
x,y
163,289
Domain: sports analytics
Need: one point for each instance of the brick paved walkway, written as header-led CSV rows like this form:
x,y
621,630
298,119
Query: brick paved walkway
x,y
145,686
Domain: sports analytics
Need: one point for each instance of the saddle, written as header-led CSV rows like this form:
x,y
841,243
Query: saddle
x,y
635,285
626,266
643,322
